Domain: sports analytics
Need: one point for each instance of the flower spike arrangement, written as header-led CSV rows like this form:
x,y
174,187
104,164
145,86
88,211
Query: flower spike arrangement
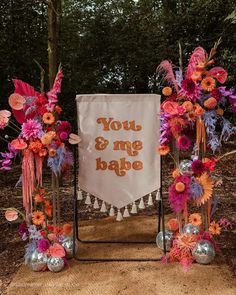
x,y
41,137
194,105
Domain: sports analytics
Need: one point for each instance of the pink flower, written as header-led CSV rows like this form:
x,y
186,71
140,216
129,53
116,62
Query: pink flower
x,y
4,118
32,129
11,215
64,126
51,237
57,250
198,167
63,135
18,144
190,89
43,245
183,143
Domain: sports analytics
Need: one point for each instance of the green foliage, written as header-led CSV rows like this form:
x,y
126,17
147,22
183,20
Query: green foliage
x,y
111,46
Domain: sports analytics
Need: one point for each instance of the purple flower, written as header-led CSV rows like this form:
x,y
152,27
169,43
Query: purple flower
x,y
32,129
43,245
196,190
198,167
190,89
230,95
7,156
183,143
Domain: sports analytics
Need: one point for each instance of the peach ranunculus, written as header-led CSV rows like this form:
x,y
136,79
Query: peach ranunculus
x,y
46,139
11,215
173,224
16,101
188,106
163,150
210,103
18,144
56,250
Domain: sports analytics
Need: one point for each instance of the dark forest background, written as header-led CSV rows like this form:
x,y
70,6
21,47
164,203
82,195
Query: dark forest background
x,y
110,46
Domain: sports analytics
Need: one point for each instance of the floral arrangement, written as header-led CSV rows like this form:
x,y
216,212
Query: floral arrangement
x,y
40,138
192,130
43,237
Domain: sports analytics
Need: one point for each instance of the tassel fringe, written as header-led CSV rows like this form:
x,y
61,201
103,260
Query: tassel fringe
x,y
88,199
119,216
126,212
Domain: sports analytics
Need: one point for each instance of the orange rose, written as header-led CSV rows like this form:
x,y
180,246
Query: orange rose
x,y
188,106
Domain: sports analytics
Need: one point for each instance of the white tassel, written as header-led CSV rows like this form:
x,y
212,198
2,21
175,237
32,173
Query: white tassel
x,y
103,208
95,204
88,199
112,211
158,197
150,202
134,209
141,204
119,216
126,212
79,195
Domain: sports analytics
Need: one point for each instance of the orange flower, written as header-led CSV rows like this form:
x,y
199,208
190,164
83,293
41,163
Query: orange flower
x,y
195,219
210,103
173,224
48,211
52,153
207,184
208,84
58,230
38,217
196,76
198,110
163,150
180,187
46,139
16,101
191,116
48,118
19,144
58,109
200,66
167,91
11,215
220,112
43,153
176,173
38,198
35,146
214,228
188,106
67,228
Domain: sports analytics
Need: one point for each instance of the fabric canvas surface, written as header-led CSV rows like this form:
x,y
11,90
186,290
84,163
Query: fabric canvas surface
x,y
116,128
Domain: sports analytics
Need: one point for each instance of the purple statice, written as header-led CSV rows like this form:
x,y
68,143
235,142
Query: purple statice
x,y
165,129
34,234
43,245
190,90
196,190
31,129
6,162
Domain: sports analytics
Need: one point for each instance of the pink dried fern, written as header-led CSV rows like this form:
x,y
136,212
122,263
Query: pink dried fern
x,y
198,56
166,66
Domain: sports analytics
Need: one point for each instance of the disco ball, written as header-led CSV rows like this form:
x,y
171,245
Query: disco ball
x,y
38,261
185,167
68,246
168,240
190,229
203,252
55,264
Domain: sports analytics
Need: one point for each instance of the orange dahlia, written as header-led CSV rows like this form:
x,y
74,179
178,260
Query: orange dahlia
x,y
208,84
37,217
214,228
195,219
48,118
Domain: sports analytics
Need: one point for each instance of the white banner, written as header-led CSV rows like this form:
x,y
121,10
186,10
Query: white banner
x,y
118,162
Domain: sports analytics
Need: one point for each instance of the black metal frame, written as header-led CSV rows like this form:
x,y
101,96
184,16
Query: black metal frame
x,y
161,222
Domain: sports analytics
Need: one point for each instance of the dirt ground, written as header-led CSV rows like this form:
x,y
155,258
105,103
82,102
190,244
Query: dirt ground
x,y
12,248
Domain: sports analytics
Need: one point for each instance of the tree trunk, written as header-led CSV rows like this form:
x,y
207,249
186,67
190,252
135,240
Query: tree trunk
x,y
52,40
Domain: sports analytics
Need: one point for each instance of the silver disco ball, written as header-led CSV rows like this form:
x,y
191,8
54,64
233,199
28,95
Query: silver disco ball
x,y
168,240
68,246
203,252
190,229
38,261
55,264
185,167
